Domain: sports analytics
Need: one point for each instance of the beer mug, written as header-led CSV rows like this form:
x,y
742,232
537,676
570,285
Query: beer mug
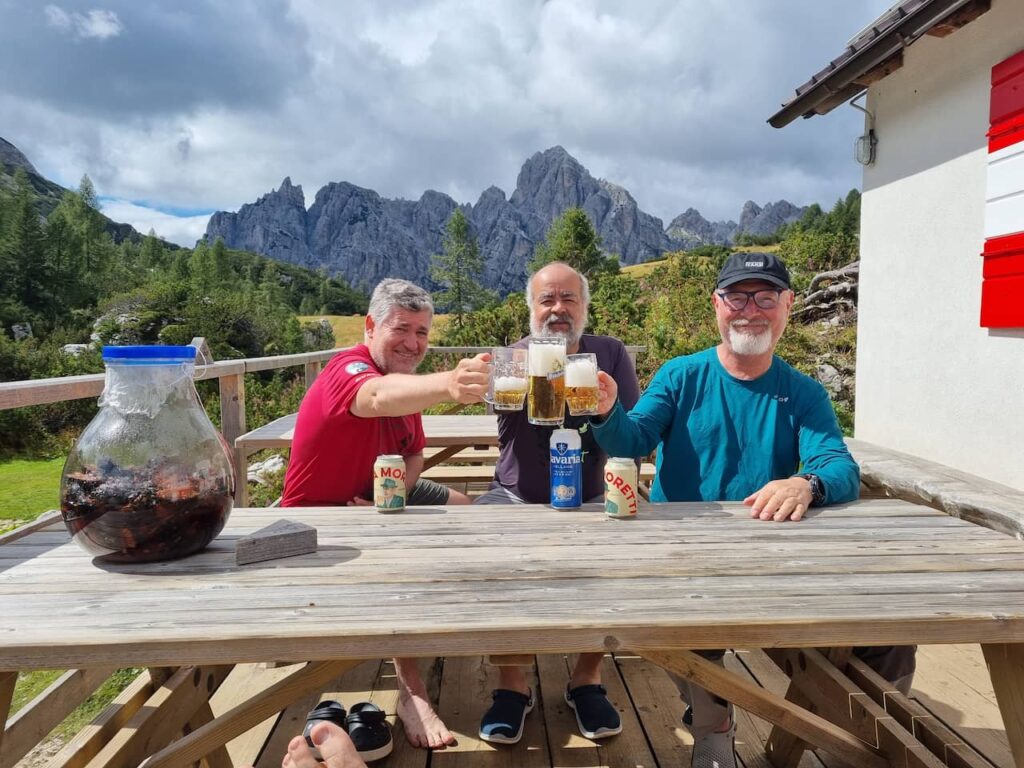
x,y
545,403
581,389
506,389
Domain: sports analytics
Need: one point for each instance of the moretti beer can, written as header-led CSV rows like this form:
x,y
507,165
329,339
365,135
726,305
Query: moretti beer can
x,y
389,483
620,488
566,469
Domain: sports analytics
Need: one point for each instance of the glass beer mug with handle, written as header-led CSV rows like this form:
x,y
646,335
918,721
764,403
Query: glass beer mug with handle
x,y
150,478
545,402
506,389
581,389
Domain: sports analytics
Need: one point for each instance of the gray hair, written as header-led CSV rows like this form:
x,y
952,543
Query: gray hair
x,y
584,285
391,293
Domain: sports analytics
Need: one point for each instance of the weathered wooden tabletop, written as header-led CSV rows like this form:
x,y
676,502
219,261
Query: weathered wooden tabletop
x,y
440,430
518,579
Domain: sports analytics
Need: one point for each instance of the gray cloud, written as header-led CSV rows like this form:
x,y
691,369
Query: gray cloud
x,y
209,106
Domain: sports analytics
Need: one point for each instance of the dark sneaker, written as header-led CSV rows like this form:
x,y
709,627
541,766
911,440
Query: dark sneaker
x,y
595,715
326,711
370,731
503,722
715,750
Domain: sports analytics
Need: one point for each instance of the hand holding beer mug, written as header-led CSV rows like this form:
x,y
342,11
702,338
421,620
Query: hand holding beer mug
x,y
581,390
546,398
608,393
507,390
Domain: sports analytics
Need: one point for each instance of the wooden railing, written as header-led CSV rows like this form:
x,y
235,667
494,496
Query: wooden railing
x,y
229,373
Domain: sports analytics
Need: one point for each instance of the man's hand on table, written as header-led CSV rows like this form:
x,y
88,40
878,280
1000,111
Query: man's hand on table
x,y
781,500
358,501
468,380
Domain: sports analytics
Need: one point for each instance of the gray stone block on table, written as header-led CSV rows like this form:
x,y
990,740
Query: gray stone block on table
x,y
282,538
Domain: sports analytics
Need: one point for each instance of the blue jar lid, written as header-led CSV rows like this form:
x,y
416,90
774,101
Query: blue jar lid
x,y
153,354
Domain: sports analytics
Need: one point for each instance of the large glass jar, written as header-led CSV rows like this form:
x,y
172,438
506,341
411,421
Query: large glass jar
x,y
150,478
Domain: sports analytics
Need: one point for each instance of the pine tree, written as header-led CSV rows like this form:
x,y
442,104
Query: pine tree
x,y
24,255
459,268
571,238
152,252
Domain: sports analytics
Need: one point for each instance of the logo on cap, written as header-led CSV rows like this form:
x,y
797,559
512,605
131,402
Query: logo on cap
x,y
753,264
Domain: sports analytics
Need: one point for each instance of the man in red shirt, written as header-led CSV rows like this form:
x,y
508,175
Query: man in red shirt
x,y
367,402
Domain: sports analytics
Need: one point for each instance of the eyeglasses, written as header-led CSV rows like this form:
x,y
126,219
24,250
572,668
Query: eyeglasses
x,y
766,298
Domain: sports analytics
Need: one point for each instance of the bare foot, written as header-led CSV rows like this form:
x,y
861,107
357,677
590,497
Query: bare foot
x,y
422,726
335,746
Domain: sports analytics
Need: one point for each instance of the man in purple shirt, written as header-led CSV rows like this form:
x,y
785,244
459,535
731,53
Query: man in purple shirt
x,y
558,297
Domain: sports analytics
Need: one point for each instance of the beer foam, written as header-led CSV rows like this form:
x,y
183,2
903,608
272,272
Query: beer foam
x,y
509,384
546,358
580,373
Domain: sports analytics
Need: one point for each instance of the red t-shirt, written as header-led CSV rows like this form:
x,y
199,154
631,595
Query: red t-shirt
x,y
333,450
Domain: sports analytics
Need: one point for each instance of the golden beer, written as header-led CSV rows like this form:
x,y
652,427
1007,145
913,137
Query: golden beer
x,y
509,393
581,389
389,483
582,401
545,403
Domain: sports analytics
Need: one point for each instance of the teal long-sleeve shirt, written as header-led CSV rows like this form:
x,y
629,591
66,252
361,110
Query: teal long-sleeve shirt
x,y
721,438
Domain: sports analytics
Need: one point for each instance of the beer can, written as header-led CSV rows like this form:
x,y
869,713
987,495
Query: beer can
x,y
620,498
566,469
389,483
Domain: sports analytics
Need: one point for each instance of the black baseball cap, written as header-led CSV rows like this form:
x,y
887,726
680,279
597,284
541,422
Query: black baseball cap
x,y
753,266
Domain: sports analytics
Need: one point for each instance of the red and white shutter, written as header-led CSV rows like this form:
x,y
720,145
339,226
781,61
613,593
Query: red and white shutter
x,y
1002,289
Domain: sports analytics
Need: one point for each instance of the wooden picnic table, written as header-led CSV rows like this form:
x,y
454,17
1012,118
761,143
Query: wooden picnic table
x,y
462,581
452,433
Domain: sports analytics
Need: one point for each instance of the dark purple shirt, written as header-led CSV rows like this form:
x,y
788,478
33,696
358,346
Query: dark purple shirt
x,y
524,460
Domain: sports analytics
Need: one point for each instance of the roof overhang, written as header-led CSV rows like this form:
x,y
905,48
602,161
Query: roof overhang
x,y
875,53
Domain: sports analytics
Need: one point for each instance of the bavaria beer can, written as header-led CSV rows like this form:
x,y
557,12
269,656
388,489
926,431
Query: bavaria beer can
x,y
566,469
620,498
389,483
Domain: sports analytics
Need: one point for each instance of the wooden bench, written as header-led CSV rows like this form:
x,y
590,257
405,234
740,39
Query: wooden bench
x,y
960,494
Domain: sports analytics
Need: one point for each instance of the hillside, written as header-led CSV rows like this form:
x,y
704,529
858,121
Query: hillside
x,y
47,194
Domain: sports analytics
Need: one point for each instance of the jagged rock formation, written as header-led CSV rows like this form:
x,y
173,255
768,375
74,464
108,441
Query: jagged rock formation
x,y
354,232
755,220
12,156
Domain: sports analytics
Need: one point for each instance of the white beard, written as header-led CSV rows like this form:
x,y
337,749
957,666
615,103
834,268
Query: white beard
x,y
572,336
752,344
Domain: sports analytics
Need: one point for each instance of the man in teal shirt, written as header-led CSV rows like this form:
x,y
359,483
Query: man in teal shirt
x,y
737,423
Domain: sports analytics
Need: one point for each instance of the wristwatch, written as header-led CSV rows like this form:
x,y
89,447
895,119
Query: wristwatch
x,y
817,488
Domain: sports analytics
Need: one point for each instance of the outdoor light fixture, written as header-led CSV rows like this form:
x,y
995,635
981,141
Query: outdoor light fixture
x,y
864,146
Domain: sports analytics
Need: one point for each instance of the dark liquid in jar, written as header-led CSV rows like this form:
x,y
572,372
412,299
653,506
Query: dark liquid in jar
x,y
131,516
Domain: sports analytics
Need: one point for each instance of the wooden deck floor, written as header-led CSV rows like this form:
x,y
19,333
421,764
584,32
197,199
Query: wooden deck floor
x,y
952,682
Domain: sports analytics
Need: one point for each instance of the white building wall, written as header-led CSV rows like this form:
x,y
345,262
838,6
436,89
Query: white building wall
x,y
930,380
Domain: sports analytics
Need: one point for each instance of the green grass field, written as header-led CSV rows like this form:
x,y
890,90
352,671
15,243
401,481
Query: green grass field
x,y
28,488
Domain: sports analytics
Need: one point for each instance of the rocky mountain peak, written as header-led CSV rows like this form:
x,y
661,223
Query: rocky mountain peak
x,y
354,232
11,155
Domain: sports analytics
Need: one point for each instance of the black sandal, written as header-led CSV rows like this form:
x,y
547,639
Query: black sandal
x,y
368,726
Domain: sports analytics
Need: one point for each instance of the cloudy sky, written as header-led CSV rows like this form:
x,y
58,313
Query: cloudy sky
x,y
177,109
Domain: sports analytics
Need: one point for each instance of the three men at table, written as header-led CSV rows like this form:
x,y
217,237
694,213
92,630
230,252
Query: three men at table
x,y
558,298
366,402
736,423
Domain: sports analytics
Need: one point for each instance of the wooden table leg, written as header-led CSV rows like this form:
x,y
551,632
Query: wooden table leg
x,y
1006,668
443,455
784,750
243,717
775,709
7,682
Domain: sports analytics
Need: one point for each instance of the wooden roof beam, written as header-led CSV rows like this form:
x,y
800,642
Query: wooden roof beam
x,y
960,18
